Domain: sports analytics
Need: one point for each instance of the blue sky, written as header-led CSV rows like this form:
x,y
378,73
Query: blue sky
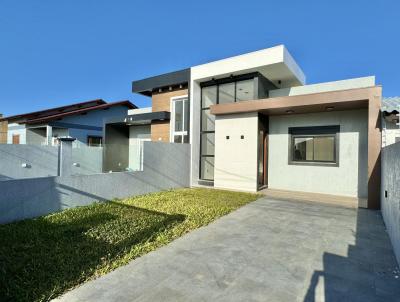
x,y
54,53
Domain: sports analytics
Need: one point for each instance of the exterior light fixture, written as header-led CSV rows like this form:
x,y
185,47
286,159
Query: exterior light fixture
x,y
170,88
329,108
289,111
180,86
159,89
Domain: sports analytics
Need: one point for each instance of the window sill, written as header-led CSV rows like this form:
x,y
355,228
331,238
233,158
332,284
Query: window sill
x,y
314,163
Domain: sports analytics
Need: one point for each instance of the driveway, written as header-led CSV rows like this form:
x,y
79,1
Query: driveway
x,y
269,250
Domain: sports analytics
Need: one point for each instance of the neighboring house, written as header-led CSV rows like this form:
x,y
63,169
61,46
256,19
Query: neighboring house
x,y
390,121
253,123
83,121
3,131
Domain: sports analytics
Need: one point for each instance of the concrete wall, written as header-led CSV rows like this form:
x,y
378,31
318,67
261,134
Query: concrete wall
x,y
42,161
390,205
166,166
236,158
87,160
36,136
348,179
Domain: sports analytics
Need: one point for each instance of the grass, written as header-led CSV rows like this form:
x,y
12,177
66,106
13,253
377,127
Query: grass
x,y
44,257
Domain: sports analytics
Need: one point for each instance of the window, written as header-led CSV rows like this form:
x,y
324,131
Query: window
x,y
226,93
94,141
245,90
314,145
222,91
180,120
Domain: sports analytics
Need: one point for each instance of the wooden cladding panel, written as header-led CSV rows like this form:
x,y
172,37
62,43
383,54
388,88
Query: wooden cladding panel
x,y
161,101
160,131
3,132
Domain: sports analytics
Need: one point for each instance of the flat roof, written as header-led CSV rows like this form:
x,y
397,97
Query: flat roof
x,y
147,85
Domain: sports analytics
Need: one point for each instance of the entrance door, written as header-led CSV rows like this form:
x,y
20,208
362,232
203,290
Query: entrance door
x,y
15,139
262,152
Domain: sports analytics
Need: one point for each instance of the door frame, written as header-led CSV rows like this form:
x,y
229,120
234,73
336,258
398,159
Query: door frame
x,y
263,125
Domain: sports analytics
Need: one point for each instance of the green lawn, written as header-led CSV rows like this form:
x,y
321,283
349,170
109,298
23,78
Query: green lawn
x,y
42,258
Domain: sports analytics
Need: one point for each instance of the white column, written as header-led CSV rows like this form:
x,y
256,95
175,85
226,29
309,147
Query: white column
x,y
49,135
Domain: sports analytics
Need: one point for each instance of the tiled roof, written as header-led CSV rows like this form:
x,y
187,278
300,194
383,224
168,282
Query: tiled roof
x,y
391,104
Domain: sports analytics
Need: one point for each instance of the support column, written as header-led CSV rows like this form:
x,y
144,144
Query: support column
x,y
65,156
49,135
374,147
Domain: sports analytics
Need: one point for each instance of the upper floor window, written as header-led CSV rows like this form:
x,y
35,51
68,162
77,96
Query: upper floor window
x,y
180,119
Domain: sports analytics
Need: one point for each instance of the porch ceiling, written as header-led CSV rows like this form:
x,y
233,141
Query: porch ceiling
x,y
307,103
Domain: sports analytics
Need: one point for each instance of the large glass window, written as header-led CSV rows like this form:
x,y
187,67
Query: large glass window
x,y
180,120
314,145
219,92
226,93
245,90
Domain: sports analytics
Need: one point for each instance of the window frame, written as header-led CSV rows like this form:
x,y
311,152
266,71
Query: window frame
x,y
217,82
94,136
313,132
173,100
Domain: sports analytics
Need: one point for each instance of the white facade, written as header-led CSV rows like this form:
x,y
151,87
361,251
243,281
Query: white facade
x,y
275,63
236,152
349,178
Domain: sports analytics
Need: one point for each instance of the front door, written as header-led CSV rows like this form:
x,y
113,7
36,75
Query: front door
x,y
15,139
262,152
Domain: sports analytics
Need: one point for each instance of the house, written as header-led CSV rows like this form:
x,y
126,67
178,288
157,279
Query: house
x,y
83,121
3,131
390,121
253,123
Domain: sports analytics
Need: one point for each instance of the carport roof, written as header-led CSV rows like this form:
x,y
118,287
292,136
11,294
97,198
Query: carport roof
x,y
391,104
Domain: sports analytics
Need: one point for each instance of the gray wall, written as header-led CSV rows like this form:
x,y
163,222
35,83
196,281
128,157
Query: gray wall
x,y
391,184
43,161
165,166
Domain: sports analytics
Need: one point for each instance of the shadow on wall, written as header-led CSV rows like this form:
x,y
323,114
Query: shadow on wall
x,y
52,254
40,161
369,271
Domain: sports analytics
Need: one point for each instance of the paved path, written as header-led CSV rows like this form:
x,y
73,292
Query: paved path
x,y
269,250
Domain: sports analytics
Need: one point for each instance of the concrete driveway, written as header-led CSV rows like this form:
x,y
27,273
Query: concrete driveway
x,y
269,250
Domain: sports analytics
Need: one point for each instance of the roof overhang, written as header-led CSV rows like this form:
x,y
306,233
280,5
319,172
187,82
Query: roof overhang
x,y
275,63
140,119
171,79
307,103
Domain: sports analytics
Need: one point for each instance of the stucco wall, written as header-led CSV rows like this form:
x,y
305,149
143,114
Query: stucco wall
x,y
390,205
348,179
166,166
235,158
42,161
